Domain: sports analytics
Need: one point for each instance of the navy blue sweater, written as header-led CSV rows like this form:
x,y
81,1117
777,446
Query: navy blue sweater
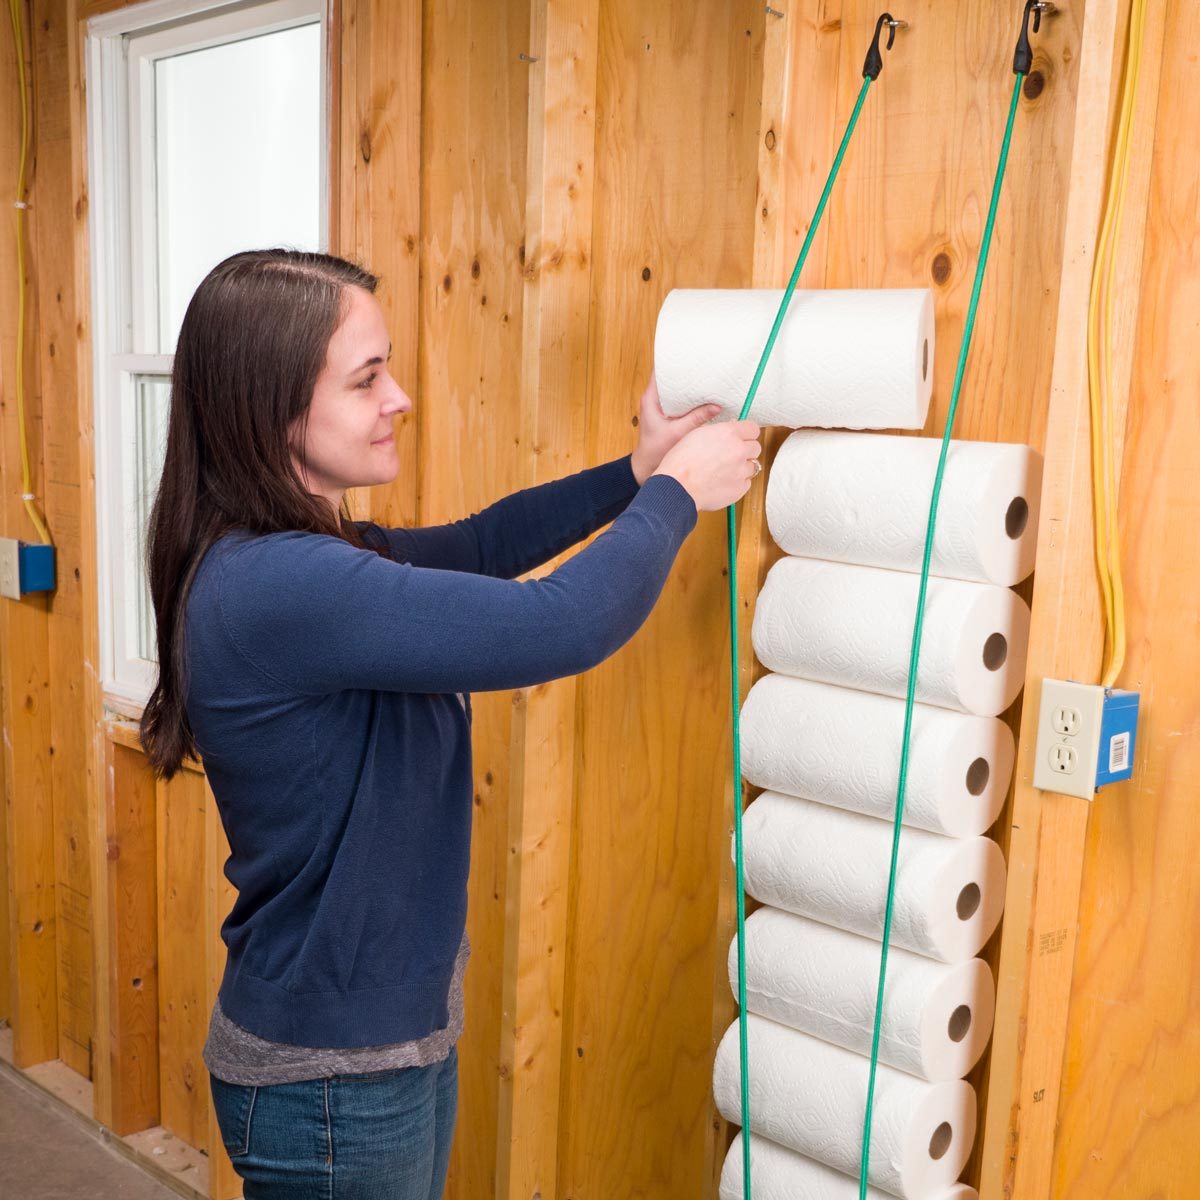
x,y
328,694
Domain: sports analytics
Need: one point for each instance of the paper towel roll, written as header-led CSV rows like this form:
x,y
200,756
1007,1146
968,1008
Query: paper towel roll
x,y
778,1173
937,1018
853,625
864,498
812,1097
847,358
843,747
833,866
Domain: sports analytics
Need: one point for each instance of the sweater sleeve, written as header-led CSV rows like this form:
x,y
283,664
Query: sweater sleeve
x,y
523,530
317,615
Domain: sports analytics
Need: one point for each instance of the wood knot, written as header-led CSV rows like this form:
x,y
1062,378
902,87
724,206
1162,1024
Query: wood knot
x,y
364,145
769,140
475,269
646,274
1034,85
940,267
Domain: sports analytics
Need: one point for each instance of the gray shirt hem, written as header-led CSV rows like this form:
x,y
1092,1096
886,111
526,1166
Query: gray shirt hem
x,y
238,1056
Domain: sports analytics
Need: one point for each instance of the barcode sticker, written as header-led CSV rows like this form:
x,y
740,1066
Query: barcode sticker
x,y
1118,752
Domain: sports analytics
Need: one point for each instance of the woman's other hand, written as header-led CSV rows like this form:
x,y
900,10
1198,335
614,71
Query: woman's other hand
x,y
658,433
715,463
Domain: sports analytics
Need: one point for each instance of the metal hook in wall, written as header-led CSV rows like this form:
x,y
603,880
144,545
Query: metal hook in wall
x,y
1023,58
873,63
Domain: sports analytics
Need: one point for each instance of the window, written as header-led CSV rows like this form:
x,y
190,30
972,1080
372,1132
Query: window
x,y
207,134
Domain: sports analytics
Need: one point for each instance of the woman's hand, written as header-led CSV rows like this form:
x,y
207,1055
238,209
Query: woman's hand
x,y
657,432
716,463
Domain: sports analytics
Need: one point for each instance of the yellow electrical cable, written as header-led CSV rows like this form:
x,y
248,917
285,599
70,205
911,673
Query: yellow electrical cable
x,y
14,10
1129,86
1100,383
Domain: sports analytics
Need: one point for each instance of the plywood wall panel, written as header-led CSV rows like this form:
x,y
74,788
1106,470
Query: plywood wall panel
x,y
55,299
183,1006
474,106
25,694
1130,1095
676,133
131,968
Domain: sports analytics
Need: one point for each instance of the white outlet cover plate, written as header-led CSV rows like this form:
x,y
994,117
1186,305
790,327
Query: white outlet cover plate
x,y
10,568
1086,699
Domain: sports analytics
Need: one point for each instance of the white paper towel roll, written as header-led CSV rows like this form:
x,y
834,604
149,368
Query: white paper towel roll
x,y
833,866
778,1173
812,1097
853,625
937,1017
865,498
857,359
843,747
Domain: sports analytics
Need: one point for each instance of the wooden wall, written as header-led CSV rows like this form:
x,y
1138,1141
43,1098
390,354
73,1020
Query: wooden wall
x,y
530,179
49,968
1130,1095
677,117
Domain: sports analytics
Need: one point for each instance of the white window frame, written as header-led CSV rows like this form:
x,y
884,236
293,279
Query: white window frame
x,y
120,52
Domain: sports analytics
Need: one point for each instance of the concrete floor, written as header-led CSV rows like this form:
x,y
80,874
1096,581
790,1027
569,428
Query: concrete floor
x,y
45,1155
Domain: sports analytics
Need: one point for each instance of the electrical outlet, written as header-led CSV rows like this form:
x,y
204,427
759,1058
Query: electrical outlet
x,y
10,568
1067,720
1063,759
1085,737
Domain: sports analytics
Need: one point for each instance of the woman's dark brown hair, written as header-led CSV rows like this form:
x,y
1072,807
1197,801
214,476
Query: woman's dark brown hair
x,y
252,343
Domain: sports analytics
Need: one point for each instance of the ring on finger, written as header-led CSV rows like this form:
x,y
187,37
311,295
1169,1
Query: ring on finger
x,y
757,469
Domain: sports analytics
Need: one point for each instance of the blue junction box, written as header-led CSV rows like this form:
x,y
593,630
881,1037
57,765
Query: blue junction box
x,y
1118,736
36,565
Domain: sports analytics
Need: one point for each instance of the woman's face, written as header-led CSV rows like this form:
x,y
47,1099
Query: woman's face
x,y
348,441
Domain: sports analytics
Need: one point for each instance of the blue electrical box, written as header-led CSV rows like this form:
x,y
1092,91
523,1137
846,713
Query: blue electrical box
x,y
37,567
1118,736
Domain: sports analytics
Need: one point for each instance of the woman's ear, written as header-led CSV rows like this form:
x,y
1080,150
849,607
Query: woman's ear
x,y
297,435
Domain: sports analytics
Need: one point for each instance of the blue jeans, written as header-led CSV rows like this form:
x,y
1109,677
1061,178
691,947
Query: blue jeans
x,y
384,1135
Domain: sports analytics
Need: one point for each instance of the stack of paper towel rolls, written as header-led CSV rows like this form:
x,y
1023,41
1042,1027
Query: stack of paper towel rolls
x,y
822,736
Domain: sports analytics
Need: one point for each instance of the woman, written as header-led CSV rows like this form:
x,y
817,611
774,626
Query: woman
x,y
322,668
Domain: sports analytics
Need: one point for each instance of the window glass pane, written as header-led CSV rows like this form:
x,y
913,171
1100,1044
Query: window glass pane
x,y
238,131
151,408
